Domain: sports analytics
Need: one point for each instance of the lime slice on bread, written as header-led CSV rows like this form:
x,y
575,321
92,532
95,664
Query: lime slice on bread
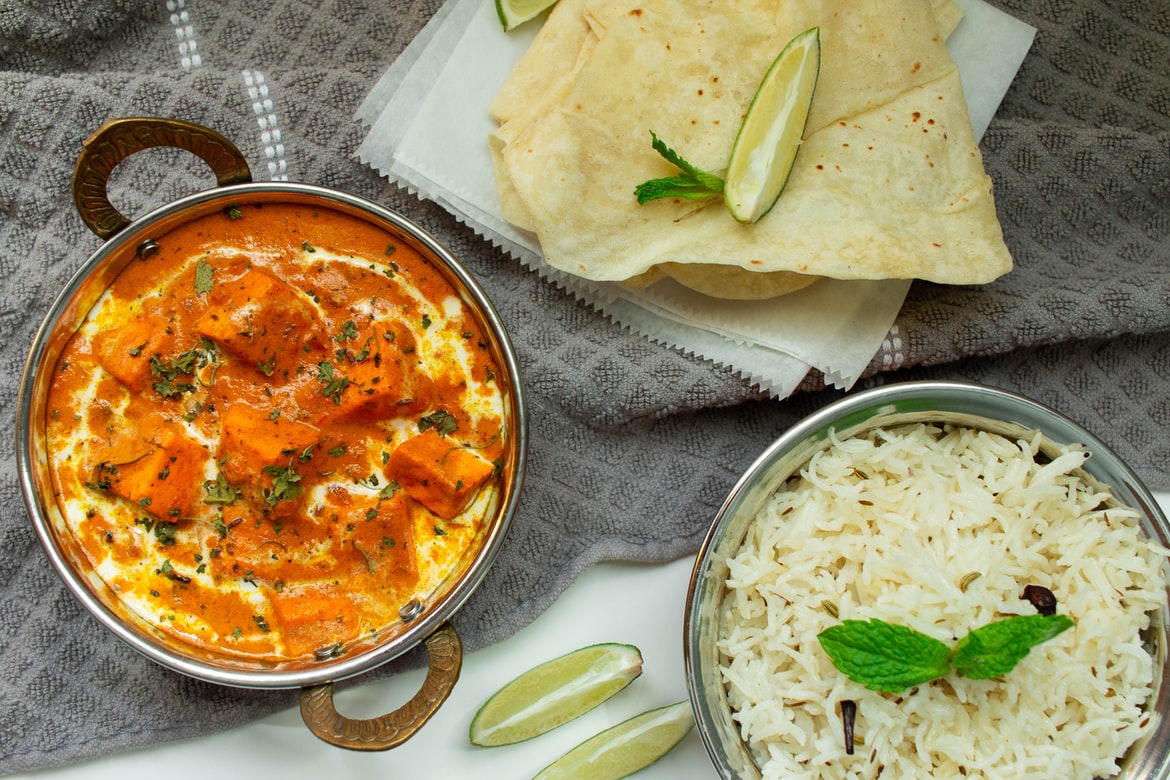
x,y
772,129
514,13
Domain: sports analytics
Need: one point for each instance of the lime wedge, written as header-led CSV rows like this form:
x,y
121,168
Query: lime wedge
x,y
770,136
626,748
514,13
554,693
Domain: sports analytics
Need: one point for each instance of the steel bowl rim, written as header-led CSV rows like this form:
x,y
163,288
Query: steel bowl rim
x,y
435,615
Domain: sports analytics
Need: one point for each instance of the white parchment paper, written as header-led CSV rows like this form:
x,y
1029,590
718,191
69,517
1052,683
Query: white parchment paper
x,y
428,119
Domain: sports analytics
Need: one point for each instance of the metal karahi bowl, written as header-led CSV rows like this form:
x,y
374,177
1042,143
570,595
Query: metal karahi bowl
x,y
969,405
423,623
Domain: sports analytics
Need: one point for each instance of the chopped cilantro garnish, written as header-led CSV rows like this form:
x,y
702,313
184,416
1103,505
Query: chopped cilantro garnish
x,y
442,421
218,491
167,373
103,473
203,277
364,352
267,366
334,385
165,533
349,331
285,485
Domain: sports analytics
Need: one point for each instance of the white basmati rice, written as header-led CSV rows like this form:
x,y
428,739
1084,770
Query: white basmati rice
x,y
940,529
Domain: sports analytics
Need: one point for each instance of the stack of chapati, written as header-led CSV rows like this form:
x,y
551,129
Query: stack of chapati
x,y
889,181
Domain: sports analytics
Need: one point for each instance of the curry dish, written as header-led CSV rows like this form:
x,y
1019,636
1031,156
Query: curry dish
x,y
276,432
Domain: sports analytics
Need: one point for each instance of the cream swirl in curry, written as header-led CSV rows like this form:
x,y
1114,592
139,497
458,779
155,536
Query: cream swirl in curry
x,y
277,431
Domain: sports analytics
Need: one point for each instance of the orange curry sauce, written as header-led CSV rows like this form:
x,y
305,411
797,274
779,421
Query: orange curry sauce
x,y
275,432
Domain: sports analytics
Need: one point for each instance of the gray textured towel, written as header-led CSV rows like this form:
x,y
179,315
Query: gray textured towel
x,y
633,446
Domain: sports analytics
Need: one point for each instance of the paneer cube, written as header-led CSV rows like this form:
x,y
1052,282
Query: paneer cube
x,y
379,389
261,321
437,472
163,475
372,374
376,537
253,437
310,619
125,351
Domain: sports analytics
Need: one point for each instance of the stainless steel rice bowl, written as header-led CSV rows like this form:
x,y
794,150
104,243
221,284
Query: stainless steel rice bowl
x,y
968,405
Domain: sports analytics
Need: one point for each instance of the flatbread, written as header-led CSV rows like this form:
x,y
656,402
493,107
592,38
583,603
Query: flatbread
x,y
735,283
889,182
947,16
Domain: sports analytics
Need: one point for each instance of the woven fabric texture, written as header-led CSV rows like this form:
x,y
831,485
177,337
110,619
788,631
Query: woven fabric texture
x,y
634,446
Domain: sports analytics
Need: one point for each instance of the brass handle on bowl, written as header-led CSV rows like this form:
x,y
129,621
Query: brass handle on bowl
x,y
117,139
445,659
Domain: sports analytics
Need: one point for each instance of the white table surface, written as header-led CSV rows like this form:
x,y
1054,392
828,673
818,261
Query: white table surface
x,y
637,604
